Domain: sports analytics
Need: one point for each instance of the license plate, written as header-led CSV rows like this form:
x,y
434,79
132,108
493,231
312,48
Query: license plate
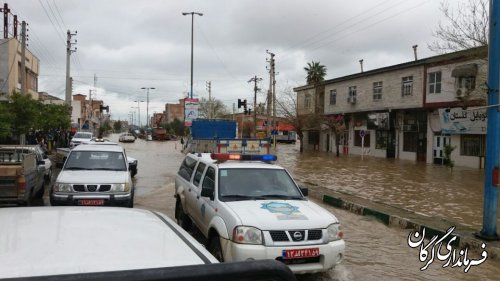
x,y
300,253
91,202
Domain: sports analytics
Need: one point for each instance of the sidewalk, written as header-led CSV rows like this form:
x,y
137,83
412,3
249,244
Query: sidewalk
x,y
405,219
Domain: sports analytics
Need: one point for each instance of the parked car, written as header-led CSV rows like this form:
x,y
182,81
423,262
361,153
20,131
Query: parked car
x,y
22,173
126,137
250,209
80,137
94,175
74,243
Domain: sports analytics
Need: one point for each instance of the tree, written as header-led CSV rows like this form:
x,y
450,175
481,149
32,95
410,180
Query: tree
x,y
6,120
117,126
315,73
25,112
178,127
53,116
212,109
336,124
286,106
466,27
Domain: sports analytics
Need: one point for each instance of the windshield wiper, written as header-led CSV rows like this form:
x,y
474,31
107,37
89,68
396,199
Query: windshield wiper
x,y
280,196
238,197
109,169
75,168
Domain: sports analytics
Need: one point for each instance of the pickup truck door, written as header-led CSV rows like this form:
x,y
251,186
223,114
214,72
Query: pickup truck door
x,y
206,205
194,192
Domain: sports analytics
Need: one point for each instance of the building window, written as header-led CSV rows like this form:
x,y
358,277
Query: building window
x,y
307,101
472,145
333,97
407,86
410,141
468,83
352,95
357,138
435,82
381,140
377,90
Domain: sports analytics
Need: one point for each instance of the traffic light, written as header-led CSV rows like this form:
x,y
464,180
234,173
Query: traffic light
x,y
249,111
102,107
242,103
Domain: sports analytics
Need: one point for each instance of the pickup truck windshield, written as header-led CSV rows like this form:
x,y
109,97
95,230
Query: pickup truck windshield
x,y
96,160
83,136
256,184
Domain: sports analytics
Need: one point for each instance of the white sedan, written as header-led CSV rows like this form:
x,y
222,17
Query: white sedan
x,y
126,137
92,243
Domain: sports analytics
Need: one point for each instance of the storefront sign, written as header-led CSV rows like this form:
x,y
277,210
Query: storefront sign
x,y
463,121
190,111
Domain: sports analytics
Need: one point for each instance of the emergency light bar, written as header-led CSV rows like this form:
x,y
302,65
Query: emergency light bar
x,y
251,157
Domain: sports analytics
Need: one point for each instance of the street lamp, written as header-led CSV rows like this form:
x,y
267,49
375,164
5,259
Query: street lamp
x,y
192,22
138,111
147,103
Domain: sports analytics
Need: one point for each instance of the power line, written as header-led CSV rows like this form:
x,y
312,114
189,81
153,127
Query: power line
x,y
53,25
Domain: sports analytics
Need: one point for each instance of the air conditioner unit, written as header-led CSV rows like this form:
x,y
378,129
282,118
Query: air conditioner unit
x,y
351,99
406,128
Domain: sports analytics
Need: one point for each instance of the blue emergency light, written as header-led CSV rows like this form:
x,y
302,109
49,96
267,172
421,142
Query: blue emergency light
x,y
247,157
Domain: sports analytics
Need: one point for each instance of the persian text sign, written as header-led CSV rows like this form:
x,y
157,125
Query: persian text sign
x,y
190,111
463,121
441,249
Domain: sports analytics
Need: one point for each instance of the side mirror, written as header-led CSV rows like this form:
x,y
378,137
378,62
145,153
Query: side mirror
x,y
304,190
207,192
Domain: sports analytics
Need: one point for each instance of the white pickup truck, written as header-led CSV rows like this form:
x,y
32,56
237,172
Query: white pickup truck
x,y
250,209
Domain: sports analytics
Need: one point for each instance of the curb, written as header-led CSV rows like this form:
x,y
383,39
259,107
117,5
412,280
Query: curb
x,y
405,219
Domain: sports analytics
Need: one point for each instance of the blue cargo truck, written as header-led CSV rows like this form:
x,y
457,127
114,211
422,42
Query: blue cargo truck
x,y
219,136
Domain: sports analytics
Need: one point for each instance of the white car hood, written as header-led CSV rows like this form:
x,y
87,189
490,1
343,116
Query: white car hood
x,y
282,214
92,176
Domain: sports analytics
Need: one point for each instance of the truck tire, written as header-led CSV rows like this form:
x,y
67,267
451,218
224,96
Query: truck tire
x,y
215,249
182,219
39,194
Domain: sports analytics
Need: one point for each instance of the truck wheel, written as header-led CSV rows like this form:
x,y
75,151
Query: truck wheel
x,y
131,202
215,249
39,193
182,219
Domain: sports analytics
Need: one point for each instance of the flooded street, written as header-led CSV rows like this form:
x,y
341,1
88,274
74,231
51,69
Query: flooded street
x,y
373,250
429,189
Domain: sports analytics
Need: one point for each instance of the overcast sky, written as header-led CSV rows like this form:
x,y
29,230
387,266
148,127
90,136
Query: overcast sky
x,y
133,44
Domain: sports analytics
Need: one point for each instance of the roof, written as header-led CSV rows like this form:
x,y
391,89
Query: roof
x,y
38,241
98,147
478,52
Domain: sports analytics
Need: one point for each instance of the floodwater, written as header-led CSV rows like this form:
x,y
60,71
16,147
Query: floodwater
x,y
434,190
374,251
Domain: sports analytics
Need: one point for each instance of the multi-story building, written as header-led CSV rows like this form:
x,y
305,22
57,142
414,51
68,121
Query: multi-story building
x,y
86,113
11,70
45,98
400,111
174,111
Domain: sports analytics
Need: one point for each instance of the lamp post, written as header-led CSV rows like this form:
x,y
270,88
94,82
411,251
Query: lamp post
x,y
138,112
192,22
147,104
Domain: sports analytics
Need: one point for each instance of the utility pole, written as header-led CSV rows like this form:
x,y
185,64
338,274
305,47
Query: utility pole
x,y
23,59
210,110
6,12
490,202
147,104
69,50
275,127
255,90
270,94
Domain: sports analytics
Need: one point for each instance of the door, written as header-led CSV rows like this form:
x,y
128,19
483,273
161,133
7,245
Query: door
x,y
206,205
193,194
422,147
438,145
391,144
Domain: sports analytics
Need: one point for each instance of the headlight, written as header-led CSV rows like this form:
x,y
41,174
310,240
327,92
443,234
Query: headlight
x,y
247,235
62,187
333,232
122,187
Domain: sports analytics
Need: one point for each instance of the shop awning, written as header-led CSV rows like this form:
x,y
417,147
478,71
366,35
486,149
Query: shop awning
x,y
466,70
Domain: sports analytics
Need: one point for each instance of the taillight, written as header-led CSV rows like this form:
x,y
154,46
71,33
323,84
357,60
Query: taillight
x,y
21,183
